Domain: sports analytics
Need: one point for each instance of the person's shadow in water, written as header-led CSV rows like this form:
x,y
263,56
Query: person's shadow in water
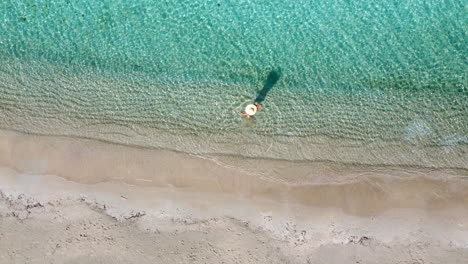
x,y
271,80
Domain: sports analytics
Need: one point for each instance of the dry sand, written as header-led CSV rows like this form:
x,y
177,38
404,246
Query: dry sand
x,y
65,200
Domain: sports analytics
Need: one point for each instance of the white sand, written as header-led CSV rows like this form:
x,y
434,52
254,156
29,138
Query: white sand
x,y
78,201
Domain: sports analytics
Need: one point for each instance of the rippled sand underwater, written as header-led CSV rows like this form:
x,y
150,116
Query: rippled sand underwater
x,y
361,82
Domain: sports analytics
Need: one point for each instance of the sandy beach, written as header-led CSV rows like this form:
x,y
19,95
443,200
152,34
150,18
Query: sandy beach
x,y
68,200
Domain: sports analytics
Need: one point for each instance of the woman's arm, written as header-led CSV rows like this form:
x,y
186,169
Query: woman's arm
x,y
259,105
242,113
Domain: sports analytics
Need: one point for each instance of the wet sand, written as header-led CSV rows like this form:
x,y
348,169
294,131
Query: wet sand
x,y
60,195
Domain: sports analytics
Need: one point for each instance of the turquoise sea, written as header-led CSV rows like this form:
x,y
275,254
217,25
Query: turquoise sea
x,y
369,82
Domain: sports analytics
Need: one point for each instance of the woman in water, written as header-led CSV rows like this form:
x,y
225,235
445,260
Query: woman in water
x,y
251,109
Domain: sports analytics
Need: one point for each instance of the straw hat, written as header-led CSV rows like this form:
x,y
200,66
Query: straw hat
x,y
251,109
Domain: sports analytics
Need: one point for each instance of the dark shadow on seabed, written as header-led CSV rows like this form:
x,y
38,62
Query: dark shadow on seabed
x,y
271,80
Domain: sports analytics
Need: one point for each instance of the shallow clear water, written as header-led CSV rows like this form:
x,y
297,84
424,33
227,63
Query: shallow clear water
x,y
367,82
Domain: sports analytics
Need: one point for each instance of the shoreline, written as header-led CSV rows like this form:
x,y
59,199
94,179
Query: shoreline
x,y
373,189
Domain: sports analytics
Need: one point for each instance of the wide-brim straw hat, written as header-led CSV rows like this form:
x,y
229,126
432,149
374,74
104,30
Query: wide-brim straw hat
x,y
251,109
